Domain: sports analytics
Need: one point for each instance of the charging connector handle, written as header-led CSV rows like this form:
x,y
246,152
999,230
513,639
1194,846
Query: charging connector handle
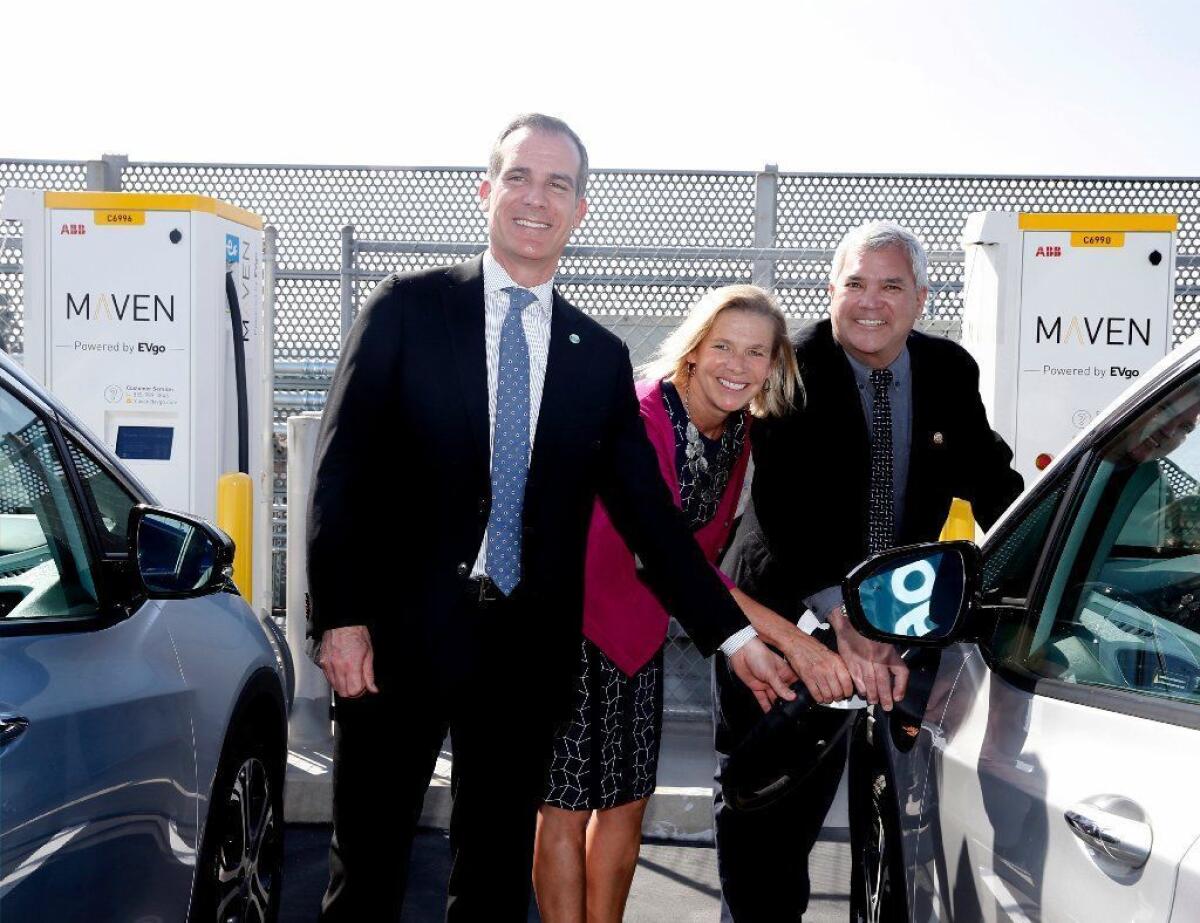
x,y
239,371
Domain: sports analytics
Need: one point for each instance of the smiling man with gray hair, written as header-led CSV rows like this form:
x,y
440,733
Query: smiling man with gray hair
x,y
891,430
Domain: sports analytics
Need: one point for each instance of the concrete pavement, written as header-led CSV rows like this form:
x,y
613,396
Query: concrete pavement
x,y
676,878
673,882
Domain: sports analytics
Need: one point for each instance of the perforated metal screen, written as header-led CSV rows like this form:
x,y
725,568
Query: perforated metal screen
x,y
32,174
26,461
309,206
639,294
817,210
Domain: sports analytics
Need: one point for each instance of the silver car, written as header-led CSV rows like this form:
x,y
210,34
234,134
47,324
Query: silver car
x,y
1044,763
142,703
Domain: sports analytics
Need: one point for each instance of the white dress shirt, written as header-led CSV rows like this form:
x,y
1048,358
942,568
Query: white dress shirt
x,y
536,321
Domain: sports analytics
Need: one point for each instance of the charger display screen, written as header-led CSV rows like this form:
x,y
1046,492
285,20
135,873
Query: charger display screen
x,y
145,442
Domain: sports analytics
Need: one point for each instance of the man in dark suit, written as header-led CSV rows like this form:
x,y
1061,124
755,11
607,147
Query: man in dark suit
x,y
473,420
891,430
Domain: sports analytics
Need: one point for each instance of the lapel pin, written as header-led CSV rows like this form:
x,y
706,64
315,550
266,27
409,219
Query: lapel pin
x,y
574,338
938,438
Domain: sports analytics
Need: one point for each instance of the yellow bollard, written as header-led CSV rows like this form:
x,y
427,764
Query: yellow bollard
x,y
235,505
960,524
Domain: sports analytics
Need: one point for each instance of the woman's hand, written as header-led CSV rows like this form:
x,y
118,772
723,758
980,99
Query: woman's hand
x,y
764,673
821,670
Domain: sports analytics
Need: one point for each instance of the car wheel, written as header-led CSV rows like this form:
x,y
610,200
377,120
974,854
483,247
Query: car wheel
x,y
877,880
240,877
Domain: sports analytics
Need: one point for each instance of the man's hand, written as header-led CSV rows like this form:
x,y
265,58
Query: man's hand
x,y
348,661
765,674
879,673
823,672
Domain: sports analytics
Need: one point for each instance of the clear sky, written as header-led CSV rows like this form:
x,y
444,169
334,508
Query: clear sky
x,y
1010,86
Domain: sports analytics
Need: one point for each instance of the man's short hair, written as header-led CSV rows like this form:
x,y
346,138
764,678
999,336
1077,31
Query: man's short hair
x,y
536,121
877,235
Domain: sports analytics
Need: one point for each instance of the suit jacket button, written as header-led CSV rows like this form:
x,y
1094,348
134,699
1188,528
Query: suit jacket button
x,y
483,506
464,570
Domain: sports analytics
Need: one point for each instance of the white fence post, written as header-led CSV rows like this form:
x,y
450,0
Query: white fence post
x,y
310,724
104,175
766,193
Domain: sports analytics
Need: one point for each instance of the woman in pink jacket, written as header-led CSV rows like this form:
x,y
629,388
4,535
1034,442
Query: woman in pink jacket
x,y
729,361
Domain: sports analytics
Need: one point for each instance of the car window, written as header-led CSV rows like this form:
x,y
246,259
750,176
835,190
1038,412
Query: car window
x,y
1009,567
111,501
1122,608
44,567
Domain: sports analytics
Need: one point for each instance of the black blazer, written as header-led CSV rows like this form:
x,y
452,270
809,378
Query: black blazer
x,y
401,490
807,525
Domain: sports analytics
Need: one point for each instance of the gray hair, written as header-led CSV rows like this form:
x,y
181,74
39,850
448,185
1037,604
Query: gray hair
x,y
878,235
548,124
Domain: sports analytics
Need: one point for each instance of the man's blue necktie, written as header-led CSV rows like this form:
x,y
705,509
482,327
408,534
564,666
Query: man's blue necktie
x,y
510,447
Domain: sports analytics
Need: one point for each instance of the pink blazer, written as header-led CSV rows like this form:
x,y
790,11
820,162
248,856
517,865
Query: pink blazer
x,y
620,615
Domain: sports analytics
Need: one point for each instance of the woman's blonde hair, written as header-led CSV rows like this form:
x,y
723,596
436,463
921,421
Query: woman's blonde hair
x,y
783,384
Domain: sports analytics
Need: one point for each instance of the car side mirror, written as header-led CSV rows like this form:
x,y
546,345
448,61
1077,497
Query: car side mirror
x,y
178,556
918,595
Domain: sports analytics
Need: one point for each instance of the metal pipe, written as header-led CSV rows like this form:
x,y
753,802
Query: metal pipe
x,y
347,280
304,168
317,275
304,368
582,251
299,400
1182,260
668,281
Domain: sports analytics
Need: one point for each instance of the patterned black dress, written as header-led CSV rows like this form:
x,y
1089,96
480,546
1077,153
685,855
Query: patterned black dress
x,y
606,754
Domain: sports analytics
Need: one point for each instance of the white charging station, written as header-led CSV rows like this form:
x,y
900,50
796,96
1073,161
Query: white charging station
x,y
128,320
1062,311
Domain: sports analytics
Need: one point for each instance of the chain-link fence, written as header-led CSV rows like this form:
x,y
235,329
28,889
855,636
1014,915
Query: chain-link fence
x,y
652,243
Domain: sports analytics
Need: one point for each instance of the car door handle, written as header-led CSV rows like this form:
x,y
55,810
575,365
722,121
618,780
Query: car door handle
x,y
11,727
1120,838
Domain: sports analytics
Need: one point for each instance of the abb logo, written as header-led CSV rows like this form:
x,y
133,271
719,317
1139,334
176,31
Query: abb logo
x,y
1049,251
73,229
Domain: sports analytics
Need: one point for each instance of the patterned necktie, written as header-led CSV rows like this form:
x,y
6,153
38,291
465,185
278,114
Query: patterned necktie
x,y
881,525
510,447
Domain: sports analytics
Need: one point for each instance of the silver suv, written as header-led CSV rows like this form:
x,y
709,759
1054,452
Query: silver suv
x,y
143,711
1043,765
